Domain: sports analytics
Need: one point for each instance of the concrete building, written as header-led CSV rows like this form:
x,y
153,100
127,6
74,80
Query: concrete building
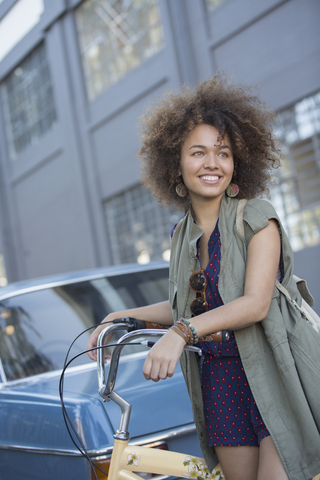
x,y
74,78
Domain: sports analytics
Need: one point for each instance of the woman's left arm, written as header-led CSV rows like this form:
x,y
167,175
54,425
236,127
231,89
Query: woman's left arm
x,y
263,258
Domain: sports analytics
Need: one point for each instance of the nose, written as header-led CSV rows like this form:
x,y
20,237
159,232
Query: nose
x,y
211,161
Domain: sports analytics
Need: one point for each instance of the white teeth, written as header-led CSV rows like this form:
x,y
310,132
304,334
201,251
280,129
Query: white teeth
x,y
210,178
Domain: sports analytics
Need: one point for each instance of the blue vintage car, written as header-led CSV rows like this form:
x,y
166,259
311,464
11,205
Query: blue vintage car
x,y
38,321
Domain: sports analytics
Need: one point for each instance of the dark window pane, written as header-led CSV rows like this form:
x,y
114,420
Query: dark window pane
x,y
139,227
297,195
115,36
28,96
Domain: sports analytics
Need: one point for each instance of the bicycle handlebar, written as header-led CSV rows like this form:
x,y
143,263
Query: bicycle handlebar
x,y
106,387
134,333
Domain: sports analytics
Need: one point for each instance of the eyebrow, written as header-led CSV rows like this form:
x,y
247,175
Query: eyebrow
x,y
203,146
197,146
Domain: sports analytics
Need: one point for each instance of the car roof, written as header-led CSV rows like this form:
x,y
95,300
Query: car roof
x,y
26,286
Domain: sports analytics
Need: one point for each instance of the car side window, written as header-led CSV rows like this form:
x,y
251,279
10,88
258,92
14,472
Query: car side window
x,y
36,328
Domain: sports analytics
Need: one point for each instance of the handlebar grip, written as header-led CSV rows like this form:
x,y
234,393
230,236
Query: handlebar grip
x,y
133,323
225,336
219,337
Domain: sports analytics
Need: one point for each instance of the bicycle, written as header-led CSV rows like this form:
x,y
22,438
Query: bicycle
x,y
129,462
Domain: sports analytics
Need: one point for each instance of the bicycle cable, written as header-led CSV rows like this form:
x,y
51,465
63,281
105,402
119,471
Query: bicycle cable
x,y
69,425
65,415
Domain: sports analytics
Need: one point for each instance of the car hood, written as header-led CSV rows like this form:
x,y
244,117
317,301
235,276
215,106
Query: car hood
x,y
31,414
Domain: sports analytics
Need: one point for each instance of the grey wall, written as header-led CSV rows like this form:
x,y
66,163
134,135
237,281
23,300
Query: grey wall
x,y
279,51
53,193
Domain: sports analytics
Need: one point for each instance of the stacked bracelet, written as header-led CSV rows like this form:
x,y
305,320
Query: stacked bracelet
x,y
184,328
193,330
184,332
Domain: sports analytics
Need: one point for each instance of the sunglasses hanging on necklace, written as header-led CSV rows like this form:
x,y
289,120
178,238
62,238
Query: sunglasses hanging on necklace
x,y
198,283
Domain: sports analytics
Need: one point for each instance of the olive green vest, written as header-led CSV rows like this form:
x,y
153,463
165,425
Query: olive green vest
x,y
280,354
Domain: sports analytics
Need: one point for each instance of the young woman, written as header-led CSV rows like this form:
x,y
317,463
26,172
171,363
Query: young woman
x,y
203,150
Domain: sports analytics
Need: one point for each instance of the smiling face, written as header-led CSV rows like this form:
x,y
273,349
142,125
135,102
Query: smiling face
x,y
206,163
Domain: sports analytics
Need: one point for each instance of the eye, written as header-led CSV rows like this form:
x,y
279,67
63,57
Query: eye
x,y
198,154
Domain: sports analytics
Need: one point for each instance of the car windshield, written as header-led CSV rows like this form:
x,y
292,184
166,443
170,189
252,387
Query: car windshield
x,y
37,328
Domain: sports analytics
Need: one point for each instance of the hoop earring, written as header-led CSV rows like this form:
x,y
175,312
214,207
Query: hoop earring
x,y
232,190
181,190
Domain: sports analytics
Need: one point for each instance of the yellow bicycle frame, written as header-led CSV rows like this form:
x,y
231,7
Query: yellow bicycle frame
x,y
127,459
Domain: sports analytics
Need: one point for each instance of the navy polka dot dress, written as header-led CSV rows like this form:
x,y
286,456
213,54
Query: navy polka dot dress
x,y
232,416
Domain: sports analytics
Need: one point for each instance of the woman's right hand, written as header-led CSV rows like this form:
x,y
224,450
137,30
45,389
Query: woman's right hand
x,y
92,343
159,313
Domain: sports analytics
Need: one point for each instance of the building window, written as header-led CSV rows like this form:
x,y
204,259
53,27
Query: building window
x,y
115,37
213,4
28,101
297,195
139,227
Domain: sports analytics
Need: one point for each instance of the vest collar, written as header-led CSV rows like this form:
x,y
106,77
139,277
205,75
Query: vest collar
x,y
227,214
